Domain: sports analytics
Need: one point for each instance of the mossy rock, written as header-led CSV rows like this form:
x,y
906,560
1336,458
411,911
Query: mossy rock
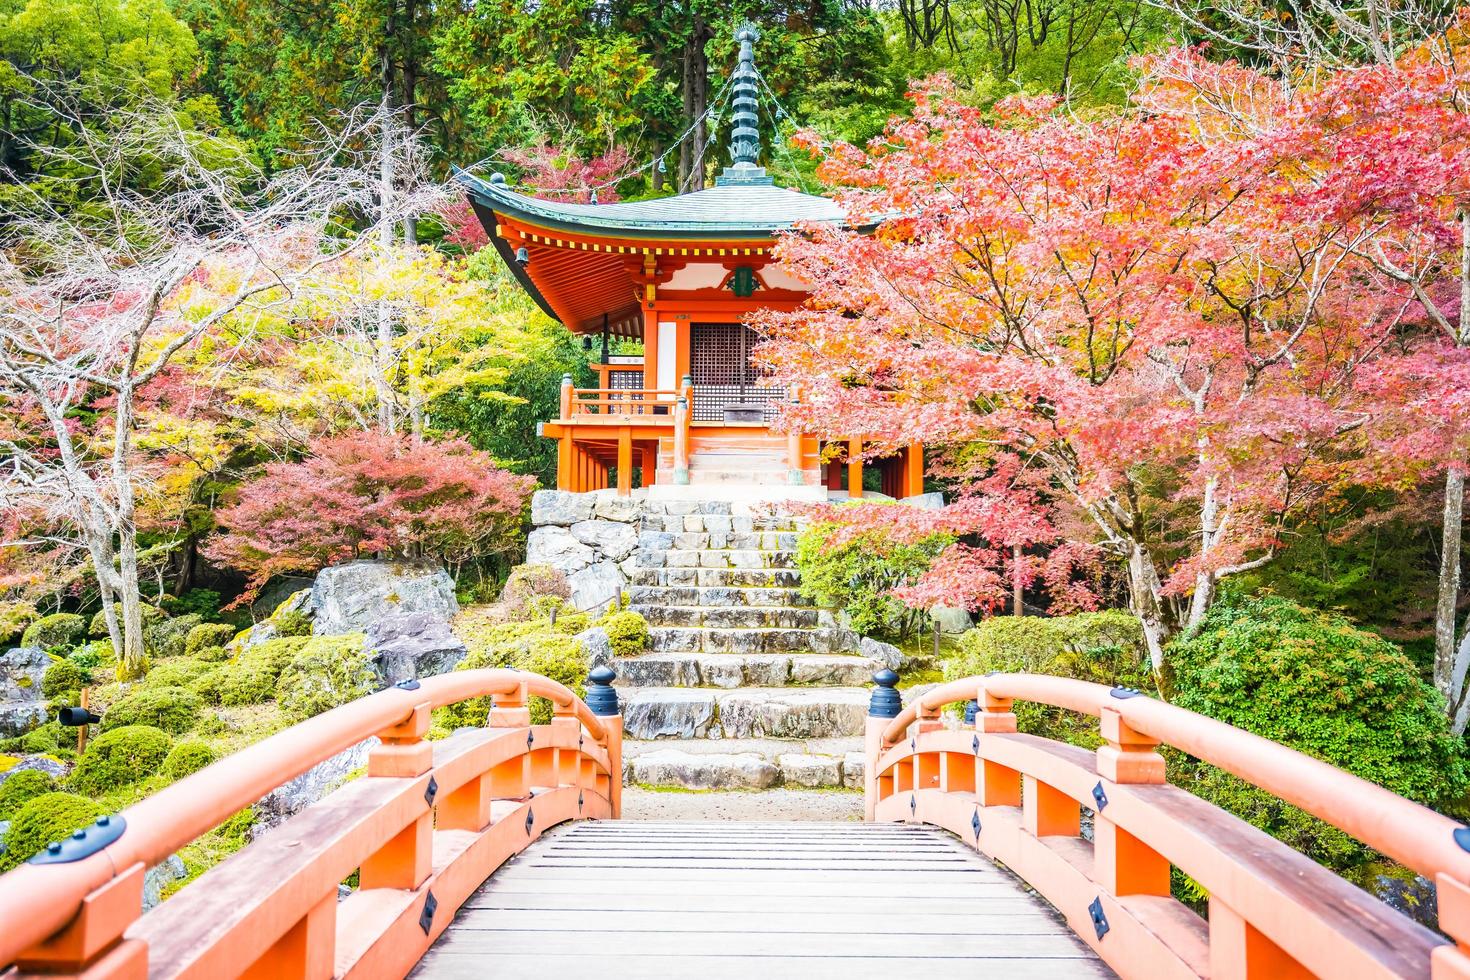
x,y
290,622
43,819
14,618
187,758
627,632
62,679
173,709
98,626
328,671
207,635
119,758
213,655
58,630
166,638
209,685
21,788
179,672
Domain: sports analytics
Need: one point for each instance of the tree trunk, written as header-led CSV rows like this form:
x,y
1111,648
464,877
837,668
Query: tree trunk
x,y
1445,648
383,344
1017,606
134,660
1144,596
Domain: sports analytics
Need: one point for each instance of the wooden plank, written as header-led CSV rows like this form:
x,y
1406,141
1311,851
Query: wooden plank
x,y
898,889
912,923
655,944
442,965
761,901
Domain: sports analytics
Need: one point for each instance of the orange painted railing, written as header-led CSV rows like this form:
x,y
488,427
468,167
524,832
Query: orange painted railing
x,y
603,402
1272,912
424,828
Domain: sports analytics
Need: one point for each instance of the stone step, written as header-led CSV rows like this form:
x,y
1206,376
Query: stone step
x,y
745,578
747,712
705,764
759,639
733,670
784,617
782,541
716,523
710,558
660,593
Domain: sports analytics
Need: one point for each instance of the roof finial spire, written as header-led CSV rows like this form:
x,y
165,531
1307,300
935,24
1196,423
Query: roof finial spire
x,y
745,137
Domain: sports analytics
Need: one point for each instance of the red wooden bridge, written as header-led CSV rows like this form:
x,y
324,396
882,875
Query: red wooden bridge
x,y
457,879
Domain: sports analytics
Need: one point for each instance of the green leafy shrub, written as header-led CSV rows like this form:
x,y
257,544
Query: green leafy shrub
x,y
207,635
209,685
212,655
93,657
1315,682
187,758
61,679
857,576
327,672
14,618
22,787
627,632
119,757
173,709
98,626
43,819
46,739
179,672
166,637
250,678
291,622
58,630
528,583
1103,647
203,603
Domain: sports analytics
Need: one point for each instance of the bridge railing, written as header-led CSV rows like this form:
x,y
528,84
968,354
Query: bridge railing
x,y
1272,912
424,828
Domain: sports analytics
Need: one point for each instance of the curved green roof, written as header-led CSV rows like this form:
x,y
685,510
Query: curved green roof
x,y
740,208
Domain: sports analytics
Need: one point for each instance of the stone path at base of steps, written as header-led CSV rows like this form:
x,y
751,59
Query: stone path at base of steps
x,y
793,805
628,899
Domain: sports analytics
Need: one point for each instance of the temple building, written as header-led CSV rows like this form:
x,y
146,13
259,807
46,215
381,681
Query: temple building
x,y
680,274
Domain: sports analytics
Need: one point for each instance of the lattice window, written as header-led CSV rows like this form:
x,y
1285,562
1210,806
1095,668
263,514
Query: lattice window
x,y
719,364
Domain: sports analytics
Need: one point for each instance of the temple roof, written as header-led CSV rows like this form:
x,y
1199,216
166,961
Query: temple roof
x,y
731,210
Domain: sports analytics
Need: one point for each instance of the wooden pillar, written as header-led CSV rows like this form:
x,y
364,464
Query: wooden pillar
x,y
913,470
834,474
564,462
650,464
855,468
625,462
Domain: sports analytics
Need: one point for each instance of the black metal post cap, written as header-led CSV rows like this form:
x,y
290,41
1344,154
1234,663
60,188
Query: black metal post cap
x,y
885,701
601,697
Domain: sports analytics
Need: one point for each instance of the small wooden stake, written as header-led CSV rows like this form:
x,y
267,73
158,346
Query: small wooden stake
x,y
86,700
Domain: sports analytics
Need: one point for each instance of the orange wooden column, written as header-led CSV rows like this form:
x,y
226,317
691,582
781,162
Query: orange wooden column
x,y
854,468
625,461
564,462
913,470
649,464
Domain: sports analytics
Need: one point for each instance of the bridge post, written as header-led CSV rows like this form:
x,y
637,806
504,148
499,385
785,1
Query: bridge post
x,y
603,700
884,705
406,860
511,780
995,784
1124,864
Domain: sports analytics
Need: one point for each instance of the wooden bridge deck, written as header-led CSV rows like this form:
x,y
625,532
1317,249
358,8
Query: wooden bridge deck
x,y
716,900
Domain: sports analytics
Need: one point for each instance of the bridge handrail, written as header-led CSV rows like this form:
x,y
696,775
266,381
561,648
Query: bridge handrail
x,y
37,901
1412,834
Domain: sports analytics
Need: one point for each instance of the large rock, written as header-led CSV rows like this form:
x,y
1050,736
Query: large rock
x,y
349,598
611,507
595,641
810,770
794,713
613,540
269,629
596,585
280,591
950,619
291,798
886,653
21,707
52,767
403,646
560,507
556,547
671,767
663,713
158,877
925,501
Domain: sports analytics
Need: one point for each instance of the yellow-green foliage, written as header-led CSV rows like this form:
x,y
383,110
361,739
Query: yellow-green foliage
x,y
59,630
207,635
20,788
8,762
98,626
209,685
210,849
290,622
14,618
46,818
62,678
119,757
526,584
327,672
533,647
186,758
1104,647
251,677
173,709
165,638
212,655
627,632
47,739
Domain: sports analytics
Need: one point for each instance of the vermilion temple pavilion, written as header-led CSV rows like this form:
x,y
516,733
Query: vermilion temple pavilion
x,y
681,274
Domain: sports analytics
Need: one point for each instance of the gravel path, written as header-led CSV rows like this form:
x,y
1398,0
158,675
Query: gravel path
x,y
770,804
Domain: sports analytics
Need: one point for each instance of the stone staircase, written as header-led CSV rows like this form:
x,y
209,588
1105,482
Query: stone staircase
x,y
745,684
